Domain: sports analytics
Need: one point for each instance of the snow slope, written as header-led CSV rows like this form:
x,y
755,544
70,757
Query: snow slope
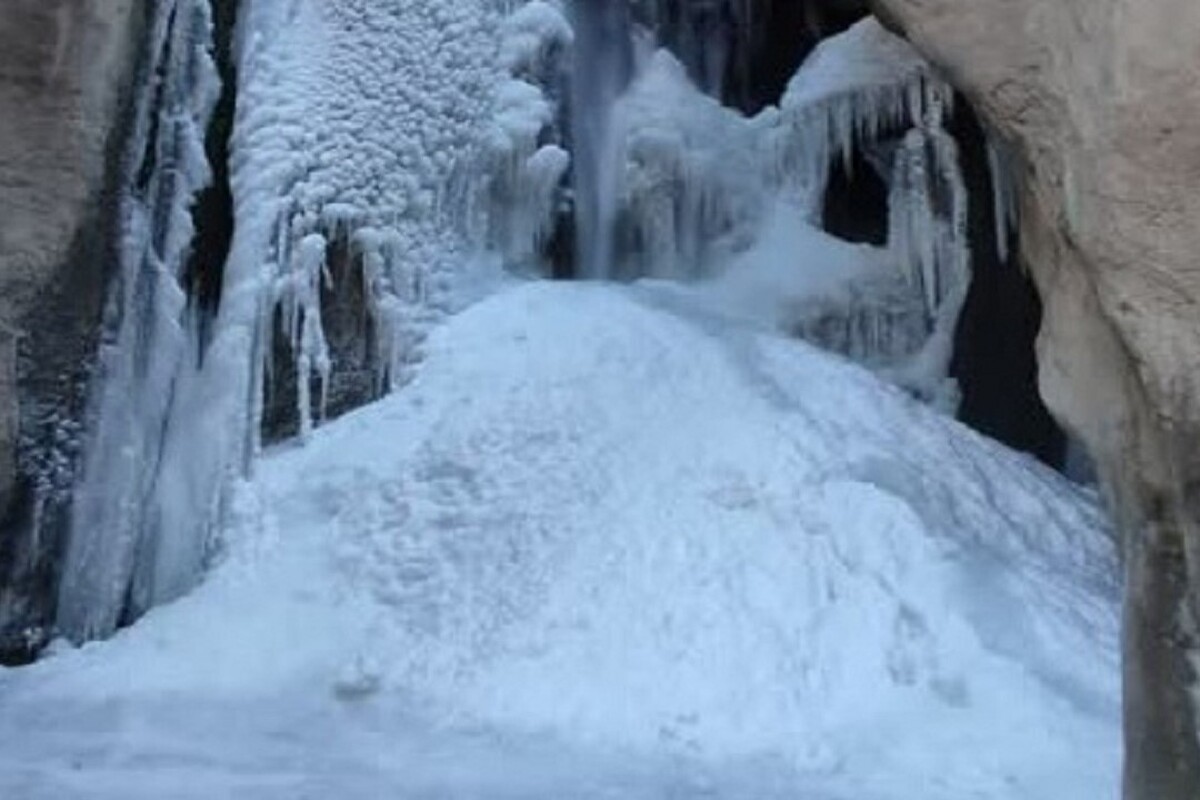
x,y
607,544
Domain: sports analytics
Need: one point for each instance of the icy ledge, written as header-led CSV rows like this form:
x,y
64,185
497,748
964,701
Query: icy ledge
x,y
607,545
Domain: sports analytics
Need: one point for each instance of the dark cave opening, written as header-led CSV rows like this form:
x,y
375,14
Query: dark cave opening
x,y
856,202
995,358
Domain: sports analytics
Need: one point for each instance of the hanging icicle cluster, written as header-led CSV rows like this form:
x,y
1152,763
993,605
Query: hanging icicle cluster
x,y
855,89
867,86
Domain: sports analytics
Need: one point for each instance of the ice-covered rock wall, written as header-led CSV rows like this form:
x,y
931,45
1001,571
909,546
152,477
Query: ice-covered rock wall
x,y
65,80
365,209
119,558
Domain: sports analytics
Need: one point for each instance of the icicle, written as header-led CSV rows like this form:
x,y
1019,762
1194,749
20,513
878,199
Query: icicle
x,y
930,244
853,87
1004,195
308,342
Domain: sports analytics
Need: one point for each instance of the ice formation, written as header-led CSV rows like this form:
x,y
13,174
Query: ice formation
x,y
854,88
692,189
365,176
700,188
857,88
522,154
1004,199
119,557
335,173
931,243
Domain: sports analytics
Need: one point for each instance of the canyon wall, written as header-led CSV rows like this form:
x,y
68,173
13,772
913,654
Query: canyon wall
x,y
65,77
1099,101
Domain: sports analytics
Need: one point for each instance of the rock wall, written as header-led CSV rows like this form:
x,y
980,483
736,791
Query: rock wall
x,y
8,413
65,77
66,63
1101,101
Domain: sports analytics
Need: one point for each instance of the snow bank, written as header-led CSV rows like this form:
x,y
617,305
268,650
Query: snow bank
x,y
604,521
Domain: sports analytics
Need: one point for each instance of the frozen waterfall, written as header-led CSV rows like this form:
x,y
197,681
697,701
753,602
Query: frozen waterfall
x,y
602,70
363,221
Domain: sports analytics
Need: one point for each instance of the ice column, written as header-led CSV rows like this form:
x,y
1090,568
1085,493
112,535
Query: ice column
x,y
602,70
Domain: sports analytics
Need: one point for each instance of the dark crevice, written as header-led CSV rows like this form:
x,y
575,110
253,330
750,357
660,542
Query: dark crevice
x,y
785,32
149,160
213,213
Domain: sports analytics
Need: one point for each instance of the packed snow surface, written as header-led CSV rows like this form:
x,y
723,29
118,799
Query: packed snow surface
x,y
611,544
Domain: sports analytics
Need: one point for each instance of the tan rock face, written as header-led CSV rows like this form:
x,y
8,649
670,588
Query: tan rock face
x,y
1101,98
66,65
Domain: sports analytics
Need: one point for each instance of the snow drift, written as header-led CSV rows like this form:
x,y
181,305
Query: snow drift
x,y
607,529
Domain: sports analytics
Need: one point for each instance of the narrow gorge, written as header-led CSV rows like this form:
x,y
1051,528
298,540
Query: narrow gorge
x,y
809,385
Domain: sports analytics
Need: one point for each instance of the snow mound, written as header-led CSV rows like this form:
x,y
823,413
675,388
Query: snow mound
x,y
606,521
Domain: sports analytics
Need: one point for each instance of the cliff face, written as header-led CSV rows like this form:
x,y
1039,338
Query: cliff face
x,y
1100,100
66,63
66,72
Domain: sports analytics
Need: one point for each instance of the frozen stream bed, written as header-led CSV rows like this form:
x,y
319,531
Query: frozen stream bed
x,y
608,545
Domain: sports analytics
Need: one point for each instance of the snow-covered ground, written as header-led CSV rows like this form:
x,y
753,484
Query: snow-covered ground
x,y
609,544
